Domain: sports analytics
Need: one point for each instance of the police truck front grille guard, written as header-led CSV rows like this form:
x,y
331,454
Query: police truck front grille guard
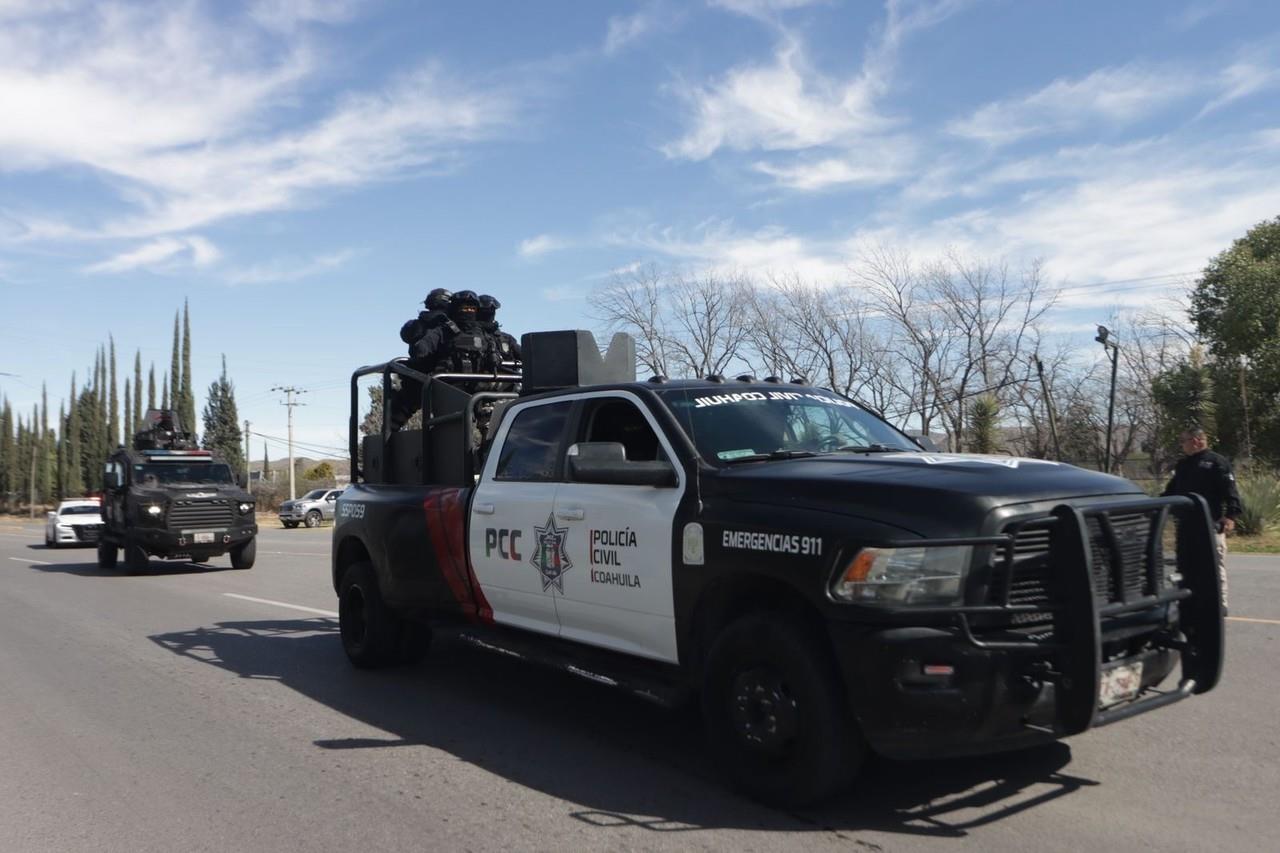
x,y
398,366
1077,602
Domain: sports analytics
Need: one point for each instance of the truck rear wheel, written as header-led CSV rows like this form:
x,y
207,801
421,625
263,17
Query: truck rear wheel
x,y
775,713
243,557
107,554
371,632
135,558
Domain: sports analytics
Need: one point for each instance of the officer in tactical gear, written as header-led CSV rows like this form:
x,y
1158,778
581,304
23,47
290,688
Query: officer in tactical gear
x,y
506,347
428,336
469,348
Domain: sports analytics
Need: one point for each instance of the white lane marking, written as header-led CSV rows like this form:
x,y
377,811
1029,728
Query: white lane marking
x,y
1259,621
328,613
32,562
294,553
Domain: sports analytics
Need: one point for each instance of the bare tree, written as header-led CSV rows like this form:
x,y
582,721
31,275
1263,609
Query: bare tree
x,y
633,302
709,312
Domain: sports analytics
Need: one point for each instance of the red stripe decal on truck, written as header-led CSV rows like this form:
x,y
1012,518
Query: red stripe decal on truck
x,y
446,525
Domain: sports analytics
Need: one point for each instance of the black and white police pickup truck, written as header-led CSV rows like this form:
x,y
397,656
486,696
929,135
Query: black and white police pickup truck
x,y
822,583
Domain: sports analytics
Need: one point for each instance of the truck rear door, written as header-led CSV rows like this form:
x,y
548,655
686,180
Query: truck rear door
x,y
518,549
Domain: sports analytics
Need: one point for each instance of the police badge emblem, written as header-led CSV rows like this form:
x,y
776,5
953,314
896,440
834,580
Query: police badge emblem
x,y
549,556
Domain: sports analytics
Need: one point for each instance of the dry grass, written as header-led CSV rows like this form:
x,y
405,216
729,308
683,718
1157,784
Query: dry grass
x,y
1266,543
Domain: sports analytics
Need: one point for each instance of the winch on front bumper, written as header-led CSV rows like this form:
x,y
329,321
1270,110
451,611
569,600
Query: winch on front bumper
x,y
1084,615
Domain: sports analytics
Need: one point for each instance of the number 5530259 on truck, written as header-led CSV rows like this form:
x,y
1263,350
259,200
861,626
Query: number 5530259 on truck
x,y
823,585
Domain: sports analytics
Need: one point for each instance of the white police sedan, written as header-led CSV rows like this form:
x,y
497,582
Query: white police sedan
x,y
74,522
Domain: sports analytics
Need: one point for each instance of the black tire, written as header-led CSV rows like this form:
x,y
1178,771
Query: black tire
x,y
243,557
51,543
775,713
313,518
372,633
108,554
289,524
135,558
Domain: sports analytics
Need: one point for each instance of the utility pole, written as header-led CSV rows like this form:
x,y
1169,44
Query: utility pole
x,y
1112,349
247,484
34,446
288,392
1048,403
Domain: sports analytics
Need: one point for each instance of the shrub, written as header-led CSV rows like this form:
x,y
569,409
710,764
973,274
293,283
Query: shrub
x,y
1260,498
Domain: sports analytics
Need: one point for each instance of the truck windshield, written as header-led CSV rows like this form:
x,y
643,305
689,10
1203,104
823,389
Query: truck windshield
x,y
313,495
163,474
753,425
80,509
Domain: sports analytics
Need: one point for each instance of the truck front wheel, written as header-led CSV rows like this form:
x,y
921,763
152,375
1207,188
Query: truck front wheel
x,y
107,554
135,558
243,557
313,518
775,713
371,632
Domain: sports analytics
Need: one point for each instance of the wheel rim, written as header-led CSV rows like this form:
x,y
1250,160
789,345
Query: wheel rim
x,y
763,712
352,621
313,519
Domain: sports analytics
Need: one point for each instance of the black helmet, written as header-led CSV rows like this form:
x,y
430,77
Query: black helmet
x,y
488,308
464,300
438,299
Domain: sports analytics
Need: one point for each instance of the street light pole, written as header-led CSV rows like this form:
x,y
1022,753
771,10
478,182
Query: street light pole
x,y
1113,352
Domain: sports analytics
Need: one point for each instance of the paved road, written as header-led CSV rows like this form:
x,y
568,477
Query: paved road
x,y
211,709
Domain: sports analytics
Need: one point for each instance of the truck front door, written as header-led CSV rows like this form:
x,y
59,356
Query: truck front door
x,y
619,540
518,559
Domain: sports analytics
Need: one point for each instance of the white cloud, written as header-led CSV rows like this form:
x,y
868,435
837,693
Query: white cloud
x,y
290,14
1110,96
542,244
781,106
166,253
560,294
190,121
625,29
877,163
291,269
761,9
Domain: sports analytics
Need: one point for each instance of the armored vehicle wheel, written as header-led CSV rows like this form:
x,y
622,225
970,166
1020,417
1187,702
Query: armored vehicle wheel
x,y
371,632
135,558
313,518
775,712
243,557
107,555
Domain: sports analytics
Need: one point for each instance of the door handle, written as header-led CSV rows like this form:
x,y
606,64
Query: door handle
x,y
572,513
485,509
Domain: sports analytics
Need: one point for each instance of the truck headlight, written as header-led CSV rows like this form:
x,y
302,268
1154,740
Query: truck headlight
x,y
928,576
155,510
245,508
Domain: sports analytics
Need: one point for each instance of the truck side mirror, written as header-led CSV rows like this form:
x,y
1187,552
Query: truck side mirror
x,y
606,462
926,443
242,480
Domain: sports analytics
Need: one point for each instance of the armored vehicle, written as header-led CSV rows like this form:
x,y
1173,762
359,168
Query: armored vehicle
x,y
165,498
824,585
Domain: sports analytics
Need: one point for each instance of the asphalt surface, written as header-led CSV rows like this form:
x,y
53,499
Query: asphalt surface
x,y
203,708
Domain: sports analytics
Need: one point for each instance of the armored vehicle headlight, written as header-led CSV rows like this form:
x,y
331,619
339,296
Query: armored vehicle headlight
x,y
245,508
925,576
154,510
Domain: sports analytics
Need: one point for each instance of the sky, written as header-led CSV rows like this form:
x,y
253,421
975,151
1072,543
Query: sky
x,y
302,173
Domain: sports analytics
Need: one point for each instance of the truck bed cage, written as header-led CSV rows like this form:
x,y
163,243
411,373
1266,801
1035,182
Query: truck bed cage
x,y
436,387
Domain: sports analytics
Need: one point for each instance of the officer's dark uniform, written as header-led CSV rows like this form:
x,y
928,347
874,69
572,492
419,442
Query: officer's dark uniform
x,y
1209,475
506,348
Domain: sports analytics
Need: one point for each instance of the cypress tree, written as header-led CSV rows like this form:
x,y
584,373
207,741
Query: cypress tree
x,y
151,392
113,423
128,408
8,452
60,466
221,421
75,480
164,402
44,482
266,463
174,395
188,397
135,417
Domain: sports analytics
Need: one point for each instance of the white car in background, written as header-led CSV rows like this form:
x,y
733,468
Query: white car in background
x,y
74,522
312,508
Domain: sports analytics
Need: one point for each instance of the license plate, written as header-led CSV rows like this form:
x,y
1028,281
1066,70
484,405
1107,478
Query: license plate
x,y
1119,684
202,537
